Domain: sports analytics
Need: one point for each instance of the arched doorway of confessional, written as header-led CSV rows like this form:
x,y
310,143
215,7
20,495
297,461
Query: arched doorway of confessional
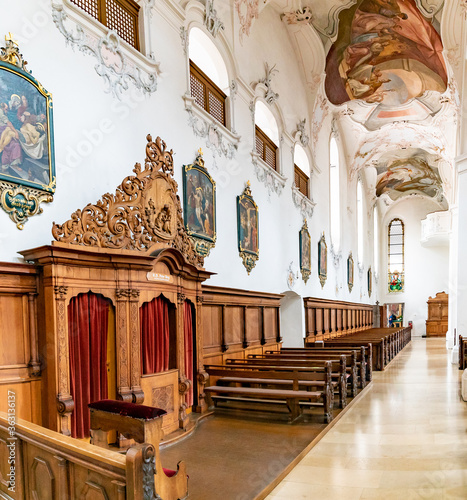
x,y
92,348
190,350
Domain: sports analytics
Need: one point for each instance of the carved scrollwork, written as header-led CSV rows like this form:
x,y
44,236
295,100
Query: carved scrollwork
x,y
181,298
203,377
184,385
144,210
199,299
65,405
61,291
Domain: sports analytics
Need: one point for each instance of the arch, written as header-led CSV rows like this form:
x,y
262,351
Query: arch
x,y
266,121
205,54
334,194
360,230
301,159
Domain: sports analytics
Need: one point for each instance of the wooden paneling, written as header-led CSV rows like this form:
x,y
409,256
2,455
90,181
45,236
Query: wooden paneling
x,y
19,359
249,319
326,319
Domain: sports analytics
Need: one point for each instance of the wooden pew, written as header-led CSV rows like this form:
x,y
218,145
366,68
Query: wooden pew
x,y
144,425
293,398
49,465
462,353
364,357
355,368
338,366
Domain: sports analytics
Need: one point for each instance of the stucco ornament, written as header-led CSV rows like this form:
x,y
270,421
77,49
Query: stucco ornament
x,y
299,16
247,10
211,19
117,70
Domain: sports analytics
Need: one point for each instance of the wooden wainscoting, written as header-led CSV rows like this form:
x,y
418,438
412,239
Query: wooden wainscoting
x,y
19,357
239,322
327,319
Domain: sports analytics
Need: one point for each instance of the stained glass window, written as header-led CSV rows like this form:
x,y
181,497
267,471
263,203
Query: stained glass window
x,y
396,256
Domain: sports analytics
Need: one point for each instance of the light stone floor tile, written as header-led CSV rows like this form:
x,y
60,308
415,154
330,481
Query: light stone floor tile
x,y
405,439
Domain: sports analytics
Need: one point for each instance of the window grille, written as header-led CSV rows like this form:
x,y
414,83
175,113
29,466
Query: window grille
x,y
207,94
301,181
118,15
266,149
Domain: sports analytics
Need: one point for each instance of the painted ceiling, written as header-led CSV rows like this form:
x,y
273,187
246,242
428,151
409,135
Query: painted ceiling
x,y
406,172
386,52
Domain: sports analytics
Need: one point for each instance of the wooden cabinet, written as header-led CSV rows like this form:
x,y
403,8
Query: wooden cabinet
x,y
437,322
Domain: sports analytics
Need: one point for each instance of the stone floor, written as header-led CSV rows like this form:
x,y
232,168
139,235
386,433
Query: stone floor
x,y
405,439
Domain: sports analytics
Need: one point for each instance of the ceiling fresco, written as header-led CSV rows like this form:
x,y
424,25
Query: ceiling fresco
x,y
401,174
385,52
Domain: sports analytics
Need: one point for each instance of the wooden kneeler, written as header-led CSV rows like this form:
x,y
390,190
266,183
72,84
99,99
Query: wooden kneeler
x,y
144,425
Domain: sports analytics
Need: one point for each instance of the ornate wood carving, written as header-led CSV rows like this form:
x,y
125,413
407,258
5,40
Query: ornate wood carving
x,y
121,332
163,397
145,210
135,372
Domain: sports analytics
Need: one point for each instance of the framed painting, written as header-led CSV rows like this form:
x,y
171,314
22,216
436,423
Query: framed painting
x,y
370,280
305,252
199,205
350,266
395,314
322,260
247,226
27,163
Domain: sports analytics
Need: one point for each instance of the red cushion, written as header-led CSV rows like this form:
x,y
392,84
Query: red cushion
x,y
128,409
169,472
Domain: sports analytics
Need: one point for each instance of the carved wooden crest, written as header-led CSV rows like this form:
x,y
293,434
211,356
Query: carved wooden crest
x,y
145,210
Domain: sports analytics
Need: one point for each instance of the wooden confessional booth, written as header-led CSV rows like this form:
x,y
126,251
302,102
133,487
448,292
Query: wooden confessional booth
x,y
122,272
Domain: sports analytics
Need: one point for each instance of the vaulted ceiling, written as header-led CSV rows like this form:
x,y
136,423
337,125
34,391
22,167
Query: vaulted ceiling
x,y
377,69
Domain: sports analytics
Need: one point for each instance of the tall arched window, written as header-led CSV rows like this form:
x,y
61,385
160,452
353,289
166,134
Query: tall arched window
x,y
360,223
334,194
375,240
209,79
396,256
266,135
301,170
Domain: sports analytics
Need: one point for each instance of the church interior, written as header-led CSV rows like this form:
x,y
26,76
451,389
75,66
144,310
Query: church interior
x,y
230,249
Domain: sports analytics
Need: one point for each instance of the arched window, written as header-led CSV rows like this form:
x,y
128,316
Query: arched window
x,y
396,256
375,240
360,223
334,194
301,170
266,135
209,79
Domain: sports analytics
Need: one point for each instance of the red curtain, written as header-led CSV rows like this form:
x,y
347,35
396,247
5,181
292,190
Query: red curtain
x,y
88,321
154,321
188,342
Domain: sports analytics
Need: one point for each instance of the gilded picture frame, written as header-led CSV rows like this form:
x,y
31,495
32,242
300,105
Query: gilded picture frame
x,y
350,271
27,158
322,260
305,252
199,205
370,281
248,229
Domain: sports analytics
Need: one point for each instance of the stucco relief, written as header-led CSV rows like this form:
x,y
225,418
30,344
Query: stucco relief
x,y
113,65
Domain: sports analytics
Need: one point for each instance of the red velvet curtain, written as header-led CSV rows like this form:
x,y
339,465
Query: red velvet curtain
x,y
188,342
88,321
154,321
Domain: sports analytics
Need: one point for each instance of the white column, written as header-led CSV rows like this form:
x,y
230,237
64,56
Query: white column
x,y
461,285
453,281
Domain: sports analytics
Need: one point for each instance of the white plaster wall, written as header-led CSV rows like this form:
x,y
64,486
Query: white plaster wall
x,y
426,268
98,139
